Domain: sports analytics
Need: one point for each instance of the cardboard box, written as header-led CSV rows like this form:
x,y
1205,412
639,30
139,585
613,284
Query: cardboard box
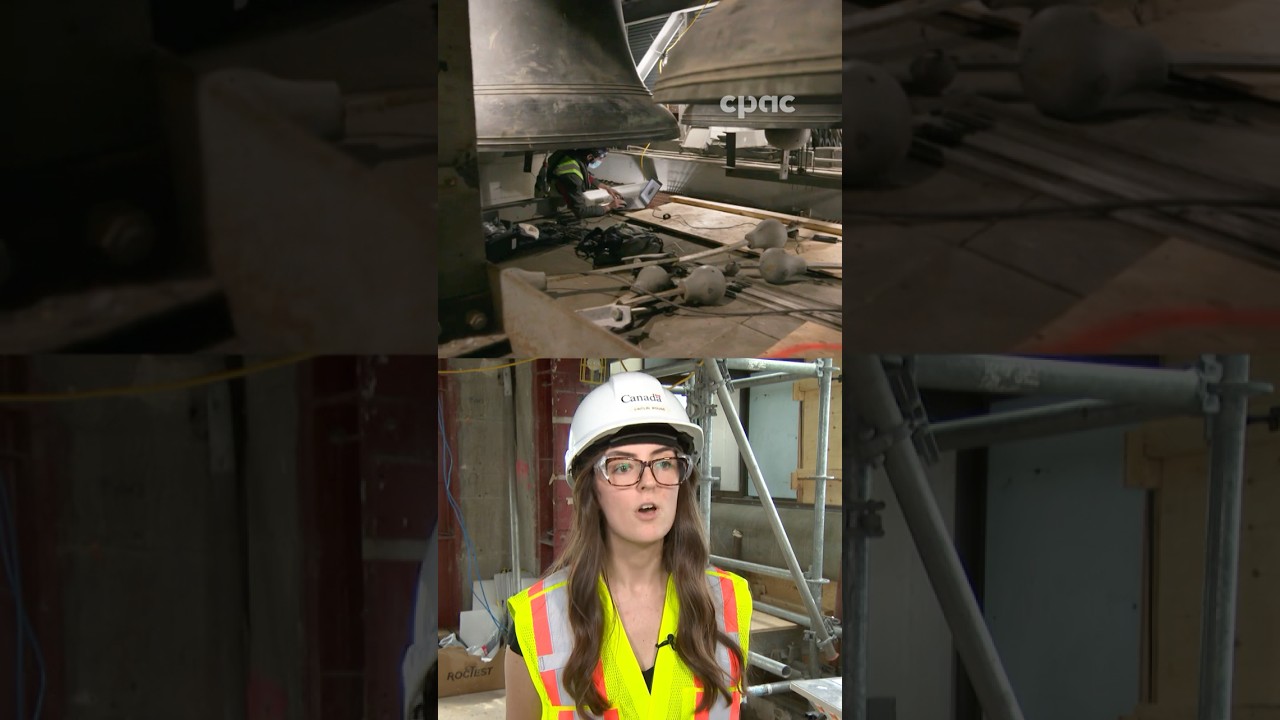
x,y
461,674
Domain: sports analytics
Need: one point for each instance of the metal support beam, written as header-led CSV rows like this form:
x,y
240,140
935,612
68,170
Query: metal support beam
x,y
1056,419
1222,555
873,401
702,394
735,564
798,369
509,389
857,592
825,639
1181,389
675,22
785,614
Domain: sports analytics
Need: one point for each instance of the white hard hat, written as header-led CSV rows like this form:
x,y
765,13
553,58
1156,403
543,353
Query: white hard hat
x,y
627,401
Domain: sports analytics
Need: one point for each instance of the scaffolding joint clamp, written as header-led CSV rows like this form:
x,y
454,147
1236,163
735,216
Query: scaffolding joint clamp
x,y
866,518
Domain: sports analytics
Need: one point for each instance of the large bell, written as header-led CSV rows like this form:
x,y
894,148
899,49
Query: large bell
x,y
554,74
757,48
799,116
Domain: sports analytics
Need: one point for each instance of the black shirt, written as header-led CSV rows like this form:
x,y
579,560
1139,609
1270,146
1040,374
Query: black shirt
x,y
514,643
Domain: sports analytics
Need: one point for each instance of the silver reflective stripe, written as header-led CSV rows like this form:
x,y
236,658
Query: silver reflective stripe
x,y
721,710
560,631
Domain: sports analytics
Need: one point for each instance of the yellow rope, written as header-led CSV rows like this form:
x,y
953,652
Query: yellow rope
x,y
487,367
663,58
170,386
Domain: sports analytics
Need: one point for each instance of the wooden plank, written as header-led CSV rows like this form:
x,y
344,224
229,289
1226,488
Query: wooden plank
x,y
783,593
824,228
1140,470
725,228
808,437
763,622
1176,276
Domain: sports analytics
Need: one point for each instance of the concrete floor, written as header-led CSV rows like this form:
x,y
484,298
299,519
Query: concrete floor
x,y
491,705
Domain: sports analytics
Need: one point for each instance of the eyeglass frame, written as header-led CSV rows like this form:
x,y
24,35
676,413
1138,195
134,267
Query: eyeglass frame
x,y
645,465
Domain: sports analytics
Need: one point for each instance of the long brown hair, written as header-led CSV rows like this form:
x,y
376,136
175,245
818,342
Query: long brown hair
x,y
685,555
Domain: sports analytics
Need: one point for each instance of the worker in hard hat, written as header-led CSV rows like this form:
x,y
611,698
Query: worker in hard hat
x,y
631,622
570,173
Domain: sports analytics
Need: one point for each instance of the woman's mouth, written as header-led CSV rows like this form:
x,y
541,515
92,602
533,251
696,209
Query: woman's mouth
x,y
647,511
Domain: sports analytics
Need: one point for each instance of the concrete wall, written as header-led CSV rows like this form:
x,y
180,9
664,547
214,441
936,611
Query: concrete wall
x,y
273,533
149,541
480,476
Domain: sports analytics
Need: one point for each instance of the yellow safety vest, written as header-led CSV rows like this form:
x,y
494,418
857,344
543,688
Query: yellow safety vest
x,y
541,617
568,166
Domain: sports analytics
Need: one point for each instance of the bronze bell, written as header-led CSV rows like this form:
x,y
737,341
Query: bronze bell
x,y
758,48
554,74
801,116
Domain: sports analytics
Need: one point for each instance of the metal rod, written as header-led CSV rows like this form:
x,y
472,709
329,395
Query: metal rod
x,y
773,688
873,402
679,367
820,488
825,640
857,593
773,666
1181,389
1222,557
1055,419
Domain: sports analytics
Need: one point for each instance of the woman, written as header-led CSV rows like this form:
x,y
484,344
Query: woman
x,y
630,623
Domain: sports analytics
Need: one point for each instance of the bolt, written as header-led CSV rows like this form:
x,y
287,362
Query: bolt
x,y
477,320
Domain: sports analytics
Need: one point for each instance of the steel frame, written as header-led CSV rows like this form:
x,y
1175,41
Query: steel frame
x,y
1217,388
711,380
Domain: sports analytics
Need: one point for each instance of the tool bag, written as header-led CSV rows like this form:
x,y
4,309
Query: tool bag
x,y
609,246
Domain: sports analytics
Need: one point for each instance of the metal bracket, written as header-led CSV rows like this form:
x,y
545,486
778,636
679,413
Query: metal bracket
x,y
902,381
866,518
1210,370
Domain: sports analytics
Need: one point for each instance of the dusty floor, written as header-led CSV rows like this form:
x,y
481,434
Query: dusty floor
x,y
490,705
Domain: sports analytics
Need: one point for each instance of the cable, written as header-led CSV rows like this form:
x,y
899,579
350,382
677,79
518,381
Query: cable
x,y
472,561
9,553
487,367
663,57
169,386
689,376
1101,206
677,306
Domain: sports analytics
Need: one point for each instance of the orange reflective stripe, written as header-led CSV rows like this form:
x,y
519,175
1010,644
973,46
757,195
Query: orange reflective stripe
x,y
553,687
730,606
567,715
541,629
597,679
734,706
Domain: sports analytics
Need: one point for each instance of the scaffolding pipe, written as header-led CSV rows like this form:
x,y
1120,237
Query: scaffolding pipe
x,y
1038,422
735,564
773,688
820,488
701,393
825,640
762,379
796,369
1222,540
773,666
857,596
1180,389
874,403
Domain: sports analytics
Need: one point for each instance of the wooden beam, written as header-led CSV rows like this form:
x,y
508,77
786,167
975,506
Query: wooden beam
x,y
816,225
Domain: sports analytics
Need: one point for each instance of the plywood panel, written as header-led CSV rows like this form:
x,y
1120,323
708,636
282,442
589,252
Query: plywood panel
x,y
806,392
1175,276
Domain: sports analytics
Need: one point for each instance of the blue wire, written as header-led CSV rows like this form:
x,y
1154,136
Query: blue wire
x,y
9,548
473,561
